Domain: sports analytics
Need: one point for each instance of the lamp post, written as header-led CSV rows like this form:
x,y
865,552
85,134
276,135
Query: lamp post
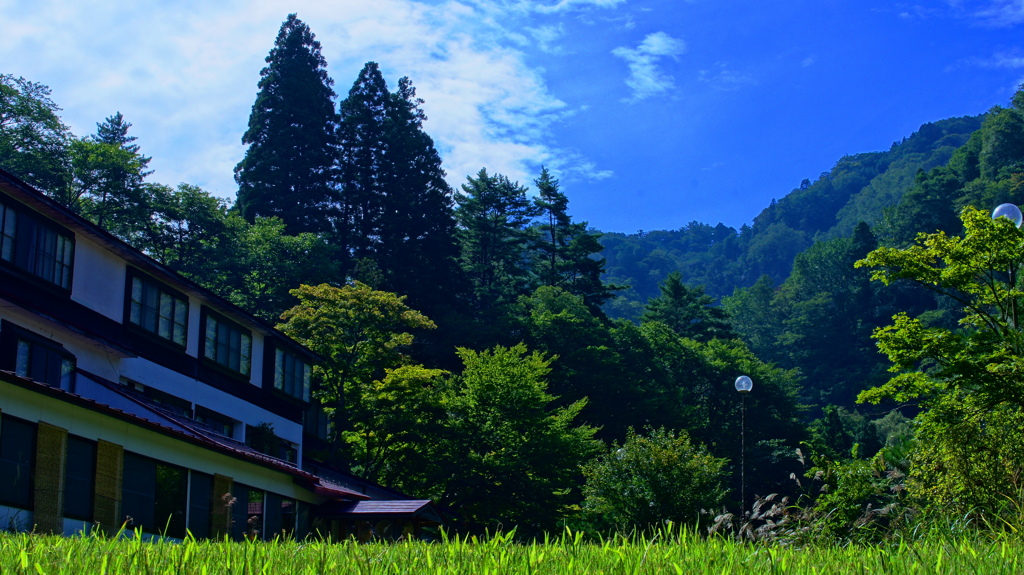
x,y
743,385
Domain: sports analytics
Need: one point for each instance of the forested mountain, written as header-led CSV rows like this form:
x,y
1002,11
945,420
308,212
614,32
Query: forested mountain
x,y
859,188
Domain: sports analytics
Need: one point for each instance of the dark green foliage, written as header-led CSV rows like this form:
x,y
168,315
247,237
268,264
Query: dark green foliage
x,y
688,311
510,458
494,216
397,208
650,480
33,139
108,180
842,434
565,252
857,189
288,169
363,167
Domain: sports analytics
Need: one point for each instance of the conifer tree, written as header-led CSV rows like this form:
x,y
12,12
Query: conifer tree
x,y
363,140
565,251
688,311
288,170
493,215
109,172
398,218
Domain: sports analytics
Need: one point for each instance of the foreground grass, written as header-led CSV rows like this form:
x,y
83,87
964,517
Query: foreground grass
x,y
680,553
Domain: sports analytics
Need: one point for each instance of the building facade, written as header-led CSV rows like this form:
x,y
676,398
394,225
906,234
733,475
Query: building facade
x,y
130,396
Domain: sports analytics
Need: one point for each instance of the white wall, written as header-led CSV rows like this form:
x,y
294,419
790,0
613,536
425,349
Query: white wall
x,y
98,280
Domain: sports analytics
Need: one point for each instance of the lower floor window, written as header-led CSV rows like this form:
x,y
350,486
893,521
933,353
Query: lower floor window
x,y
17,458
154,495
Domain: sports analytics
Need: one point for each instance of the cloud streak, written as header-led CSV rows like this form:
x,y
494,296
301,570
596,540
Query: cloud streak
x,y
185,74
1002,13
646,77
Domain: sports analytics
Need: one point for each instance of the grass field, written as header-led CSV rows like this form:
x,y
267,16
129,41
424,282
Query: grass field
x,y
679,553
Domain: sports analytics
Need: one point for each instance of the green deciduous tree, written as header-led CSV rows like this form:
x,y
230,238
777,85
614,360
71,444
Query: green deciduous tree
x,y
361,333
652,479
33,140
511,459
978,271
288,169
966,379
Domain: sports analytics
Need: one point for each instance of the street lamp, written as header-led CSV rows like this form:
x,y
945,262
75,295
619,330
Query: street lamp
x,y
743,385
1009,211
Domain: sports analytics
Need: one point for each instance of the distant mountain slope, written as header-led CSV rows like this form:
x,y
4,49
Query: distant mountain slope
x,y
858,188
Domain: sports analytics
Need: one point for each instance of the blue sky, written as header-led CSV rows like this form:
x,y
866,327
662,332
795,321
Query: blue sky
x,y
653,113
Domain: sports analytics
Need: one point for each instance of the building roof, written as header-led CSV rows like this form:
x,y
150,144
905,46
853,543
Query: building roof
x,y
38,201
422,509
147,415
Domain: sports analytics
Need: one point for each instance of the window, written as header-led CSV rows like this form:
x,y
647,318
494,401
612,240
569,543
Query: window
x,y
262,438
44,361
291,374
154,495
35,247
221,424
228,344
157,310
200,505
8,224
17,458
79,478
280,517
165,401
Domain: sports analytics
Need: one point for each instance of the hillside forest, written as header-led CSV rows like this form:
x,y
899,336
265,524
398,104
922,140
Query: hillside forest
x,y
485,350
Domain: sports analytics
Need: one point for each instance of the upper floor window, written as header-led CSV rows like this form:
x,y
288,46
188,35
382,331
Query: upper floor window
x,y
45,362
33,356
40,249
228,344
158,310
292,375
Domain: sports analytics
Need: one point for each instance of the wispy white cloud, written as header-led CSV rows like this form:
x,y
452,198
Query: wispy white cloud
x,y
1001,13
185,73
546,36
723,78
646,77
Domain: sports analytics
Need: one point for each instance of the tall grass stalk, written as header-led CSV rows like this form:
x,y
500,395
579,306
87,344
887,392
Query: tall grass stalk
x,y
671,551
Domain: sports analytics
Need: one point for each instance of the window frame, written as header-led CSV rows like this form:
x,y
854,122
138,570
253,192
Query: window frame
x,y
223,325
23,461
19,349
36,246
282,378
79,479
136,318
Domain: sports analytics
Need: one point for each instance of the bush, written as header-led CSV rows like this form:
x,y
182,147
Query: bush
x,y
651,480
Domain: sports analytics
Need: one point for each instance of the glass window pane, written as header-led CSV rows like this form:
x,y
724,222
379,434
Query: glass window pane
x,y
79,478
17,454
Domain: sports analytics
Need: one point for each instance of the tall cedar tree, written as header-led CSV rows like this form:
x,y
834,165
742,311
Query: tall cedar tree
x,y
399,223
564,250
364,143
288,170
493,215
